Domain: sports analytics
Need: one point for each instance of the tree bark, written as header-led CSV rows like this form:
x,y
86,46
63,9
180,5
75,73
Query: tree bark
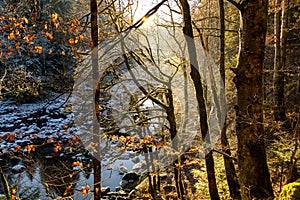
x,y
252,160
232,180
96,96
279,108
195,75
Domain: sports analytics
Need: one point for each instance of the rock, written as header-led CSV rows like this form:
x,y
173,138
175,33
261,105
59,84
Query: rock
x,y
124,156
124,183
139,167
129,181
18,168
122,170
105,190
22,142
290,191
117,194
136,159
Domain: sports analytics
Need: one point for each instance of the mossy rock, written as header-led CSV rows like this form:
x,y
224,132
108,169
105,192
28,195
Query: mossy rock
x,y
290,191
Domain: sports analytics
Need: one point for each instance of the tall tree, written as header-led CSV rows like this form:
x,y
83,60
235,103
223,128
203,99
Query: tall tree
x,y
252,160
195,75
279,109
96,96
232,180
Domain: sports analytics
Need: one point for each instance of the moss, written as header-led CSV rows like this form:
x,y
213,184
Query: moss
x,y
290,191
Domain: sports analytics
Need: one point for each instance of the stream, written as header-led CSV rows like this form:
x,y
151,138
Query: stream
x,y
43,158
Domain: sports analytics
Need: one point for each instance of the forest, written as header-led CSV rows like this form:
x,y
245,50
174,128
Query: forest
x,y
161,99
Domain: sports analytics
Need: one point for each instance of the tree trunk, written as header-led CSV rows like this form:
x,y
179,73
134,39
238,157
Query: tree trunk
x,y
232,180
254,173
279,108
195,75
96,96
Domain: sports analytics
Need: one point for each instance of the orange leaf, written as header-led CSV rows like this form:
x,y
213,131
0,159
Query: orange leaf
x,y
8,54
17,45
67,190
31,37
18,148
11,35
77,163
81,38
30,148
49,36
57,149
90,44
50,52
85,190
71,41
38,49
13,197
76,137
17,32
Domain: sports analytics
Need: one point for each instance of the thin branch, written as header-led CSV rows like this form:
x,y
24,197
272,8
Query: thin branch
x,y
141,21
225,154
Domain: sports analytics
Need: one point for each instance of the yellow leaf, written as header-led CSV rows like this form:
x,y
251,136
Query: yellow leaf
x,y
25,20
81,38
26,38
14,191
63,53
56,24
45,26
54,16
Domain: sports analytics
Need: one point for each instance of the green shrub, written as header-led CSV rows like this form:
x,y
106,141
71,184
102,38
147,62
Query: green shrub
x,y
290,191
